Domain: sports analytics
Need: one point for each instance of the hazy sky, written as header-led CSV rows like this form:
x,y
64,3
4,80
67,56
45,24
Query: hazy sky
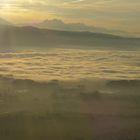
x,y
111,14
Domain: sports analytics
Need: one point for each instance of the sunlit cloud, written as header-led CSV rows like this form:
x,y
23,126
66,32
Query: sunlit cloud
x,y
115,14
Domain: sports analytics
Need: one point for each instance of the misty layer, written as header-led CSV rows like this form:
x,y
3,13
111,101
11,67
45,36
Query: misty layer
x,y
84,109
71,64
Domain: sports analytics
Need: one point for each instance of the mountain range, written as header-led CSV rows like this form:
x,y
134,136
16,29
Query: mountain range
x,y
28,37
58,24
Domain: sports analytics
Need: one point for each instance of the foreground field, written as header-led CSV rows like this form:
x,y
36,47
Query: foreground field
x,y
78,110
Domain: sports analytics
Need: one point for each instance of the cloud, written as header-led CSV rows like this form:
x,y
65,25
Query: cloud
x,y
115,14
75,2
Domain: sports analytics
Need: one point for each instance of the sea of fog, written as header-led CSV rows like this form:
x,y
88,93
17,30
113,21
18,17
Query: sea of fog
x,y
70,94
70,64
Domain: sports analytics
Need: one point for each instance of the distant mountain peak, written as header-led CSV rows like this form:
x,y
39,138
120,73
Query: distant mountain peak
x,y
53,20
61,25
58,24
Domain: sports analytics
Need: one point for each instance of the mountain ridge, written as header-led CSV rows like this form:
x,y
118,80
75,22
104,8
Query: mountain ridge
x,y
32,37
58,24
4,22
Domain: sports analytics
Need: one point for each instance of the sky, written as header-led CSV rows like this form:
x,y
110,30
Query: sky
x,y
110,14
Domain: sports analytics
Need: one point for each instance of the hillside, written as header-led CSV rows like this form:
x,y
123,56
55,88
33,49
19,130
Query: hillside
x,y
32,37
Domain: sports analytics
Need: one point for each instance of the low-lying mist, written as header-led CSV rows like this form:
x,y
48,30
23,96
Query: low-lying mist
x,y
84,109
70,94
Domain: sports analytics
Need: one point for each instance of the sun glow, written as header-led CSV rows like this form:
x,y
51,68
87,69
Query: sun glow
x,y
6,4
109,14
